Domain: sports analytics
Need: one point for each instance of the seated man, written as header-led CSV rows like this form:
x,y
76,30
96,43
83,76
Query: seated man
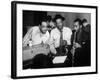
x,y
76,42
79,51
60,37
86,30
86,40
37,34
51,23
37,39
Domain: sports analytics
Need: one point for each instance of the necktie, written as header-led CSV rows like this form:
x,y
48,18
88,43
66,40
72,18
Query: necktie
x,y
61,38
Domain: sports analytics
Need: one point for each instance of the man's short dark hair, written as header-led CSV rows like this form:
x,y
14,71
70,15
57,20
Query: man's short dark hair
x,y
84,20
43,20
49,18
78,20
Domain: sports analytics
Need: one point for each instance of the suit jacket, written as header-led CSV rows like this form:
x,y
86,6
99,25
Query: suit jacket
x,y
78,38
82,35
86,33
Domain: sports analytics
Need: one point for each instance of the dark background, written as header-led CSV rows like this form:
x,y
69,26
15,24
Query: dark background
x,y
33,18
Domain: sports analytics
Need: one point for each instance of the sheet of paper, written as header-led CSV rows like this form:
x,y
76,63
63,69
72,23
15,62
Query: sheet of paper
x,y
59,59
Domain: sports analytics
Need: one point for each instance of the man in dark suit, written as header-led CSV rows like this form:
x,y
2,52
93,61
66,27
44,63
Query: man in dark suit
x,y
80,50
86,27
86,30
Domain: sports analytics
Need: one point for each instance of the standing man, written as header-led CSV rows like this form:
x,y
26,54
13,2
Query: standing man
x,y
60,37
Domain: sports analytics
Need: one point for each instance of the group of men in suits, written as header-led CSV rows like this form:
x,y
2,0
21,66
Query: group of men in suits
x,y
61,39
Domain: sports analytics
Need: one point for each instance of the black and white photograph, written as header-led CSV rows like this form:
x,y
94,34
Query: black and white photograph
x,y
53,39
56,39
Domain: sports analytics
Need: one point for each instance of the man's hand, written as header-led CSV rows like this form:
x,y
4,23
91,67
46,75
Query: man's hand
x,y
52,49
64,43
77,45
73,50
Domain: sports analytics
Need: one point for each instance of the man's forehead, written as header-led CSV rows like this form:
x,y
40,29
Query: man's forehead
x,y
76,22
59,19
44,22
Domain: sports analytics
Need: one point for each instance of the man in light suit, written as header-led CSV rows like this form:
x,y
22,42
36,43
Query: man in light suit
x,y
37,39
60,37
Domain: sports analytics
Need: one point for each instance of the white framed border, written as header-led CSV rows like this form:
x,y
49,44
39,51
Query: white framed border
x,y
53,71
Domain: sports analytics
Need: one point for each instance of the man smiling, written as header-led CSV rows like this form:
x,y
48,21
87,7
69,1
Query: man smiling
x,y
37,34
60,36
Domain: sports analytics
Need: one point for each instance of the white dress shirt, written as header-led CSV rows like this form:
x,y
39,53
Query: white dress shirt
x,y
55,36
36,36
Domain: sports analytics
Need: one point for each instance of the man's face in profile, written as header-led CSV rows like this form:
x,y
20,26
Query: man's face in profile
x,y
84,24
76,26
52,24
44,27
59,23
